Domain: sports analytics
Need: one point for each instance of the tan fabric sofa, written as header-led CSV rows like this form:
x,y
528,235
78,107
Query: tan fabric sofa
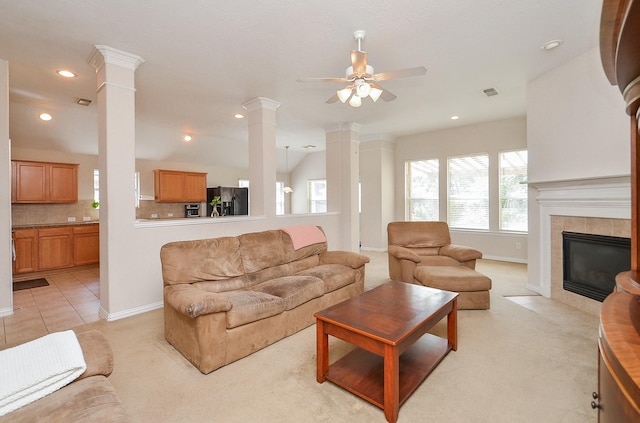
x,y
90,398
422,253
228,297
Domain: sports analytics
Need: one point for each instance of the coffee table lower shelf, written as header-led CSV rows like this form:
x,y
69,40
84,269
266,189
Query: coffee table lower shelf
x,y
362,372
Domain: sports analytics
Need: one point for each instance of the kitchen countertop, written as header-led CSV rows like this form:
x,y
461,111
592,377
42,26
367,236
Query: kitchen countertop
x,y
53,225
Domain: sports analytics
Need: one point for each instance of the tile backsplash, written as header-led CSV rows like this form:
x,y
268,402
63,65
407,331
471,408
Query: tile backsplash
x,y
27,214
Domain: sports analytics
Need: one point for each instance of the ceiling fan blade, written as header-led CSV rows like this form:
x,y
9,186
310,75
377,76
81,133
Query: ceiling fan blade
x,y
333,99
384,76
359,62
323,80
386,94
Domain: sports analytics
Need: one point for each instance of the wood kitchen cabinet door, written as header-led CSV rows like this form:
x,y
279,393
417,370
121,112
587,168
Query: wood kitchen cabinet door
x,y
195,187
25,243
55,248
175,186
86,245
29,184
63,183
43,182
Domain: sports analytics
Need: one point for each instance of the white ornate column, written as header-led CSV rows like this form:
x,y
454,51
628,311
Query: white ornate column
x,y
342,161
262,155
115,71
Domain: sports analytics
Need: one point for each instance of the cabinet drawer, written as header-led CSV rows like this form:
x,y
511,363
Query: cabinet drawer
x,y
88,229
55,231
24,233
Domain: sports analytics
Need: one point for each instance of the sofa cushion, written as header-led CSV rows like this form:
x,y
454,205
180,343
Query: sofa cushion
x,y
261,250
249,306
201,260
294,290
334,276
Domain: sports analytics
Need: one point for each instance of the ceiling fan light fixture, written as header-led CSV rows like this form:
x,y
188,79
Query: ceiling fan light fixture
x,y
362,88
355,101
375,94
344,94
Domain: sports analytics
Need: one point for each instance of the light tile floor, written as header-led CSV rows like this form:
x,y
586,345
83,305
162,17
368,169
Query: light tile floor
x,y
71,299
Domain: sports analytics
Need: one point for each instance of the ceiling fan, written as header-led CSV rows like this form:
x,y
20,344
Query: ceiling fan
x,y
361,79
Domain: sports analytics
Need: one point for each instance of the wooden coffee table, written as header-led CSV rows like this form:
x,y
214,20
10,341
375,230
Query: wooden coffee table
x,y
395,353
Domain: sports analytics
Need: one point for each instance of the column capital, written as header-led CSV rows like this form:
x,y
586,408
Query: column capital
x,y
343,126
261,103
108,55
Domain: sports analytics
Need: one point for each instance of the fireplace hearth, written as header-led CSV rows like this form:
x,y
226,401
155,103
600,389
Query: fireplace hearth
x,y
591,263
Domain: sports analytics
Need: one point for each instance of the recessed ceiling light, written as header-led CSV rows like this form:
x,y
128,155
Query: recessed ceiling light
x,y
238,116
309,146
187,138
66,73
550,45
455,117
45,116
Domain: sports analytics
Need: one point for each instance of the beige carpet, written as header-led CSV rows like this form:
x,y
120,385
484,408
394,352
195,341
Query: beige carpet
x,y
513,364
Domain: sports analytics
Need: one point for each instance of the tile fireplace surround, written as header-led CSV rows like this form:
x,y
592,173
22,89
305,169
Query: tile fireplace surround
x,y
591,206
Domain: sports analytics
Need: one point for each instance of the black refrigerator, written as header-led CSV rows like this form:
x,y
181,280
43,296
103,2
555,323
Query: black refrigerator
x,y
235,201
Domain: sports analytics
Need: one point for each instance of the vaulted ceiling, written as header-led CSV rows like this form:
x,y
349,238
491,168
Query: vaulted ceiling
x,y
204,59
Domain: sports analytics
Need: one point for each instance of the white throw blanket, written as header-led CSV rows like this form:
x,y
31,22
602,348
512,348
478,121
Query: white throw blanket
x,y
35,369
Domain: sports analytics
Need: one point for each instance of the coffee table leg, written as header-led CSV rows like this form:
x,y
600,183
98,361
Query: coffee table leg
x,y
322,353
452,326
391,383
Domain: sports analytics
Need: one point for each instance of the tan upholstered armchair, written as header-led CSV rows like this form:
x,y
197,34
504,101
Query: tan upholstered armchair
x,y
414,244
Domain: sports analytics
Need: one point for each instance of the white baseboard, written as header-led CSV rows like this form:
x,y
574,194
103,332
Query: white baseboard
x,y
110,317
6,311
507,259
375,250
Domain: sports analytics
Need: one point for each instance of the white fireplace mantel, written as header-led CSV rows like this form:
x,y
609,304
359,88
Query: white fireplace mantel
x,y
608,197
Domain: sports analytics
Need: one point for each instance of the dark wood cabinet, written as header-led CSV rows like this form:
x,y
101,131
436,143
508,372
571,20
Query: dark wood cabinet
x,y
43,182
175,186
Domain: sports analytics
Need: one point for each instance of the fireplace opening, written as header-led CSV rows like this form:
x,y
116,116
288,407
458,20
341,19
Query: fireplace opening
x,y
591,263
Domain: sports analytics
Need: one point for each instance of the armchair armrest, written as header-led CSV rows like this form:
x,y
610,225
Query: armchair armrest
x,y
194,302
345,258
460,252
97,353
402,253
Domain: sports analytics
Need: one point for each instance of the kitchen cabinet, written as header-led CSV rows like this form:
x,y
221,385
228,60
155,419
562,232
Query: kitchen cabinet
x,y
43,182
175,186
25,245
55,248
86,244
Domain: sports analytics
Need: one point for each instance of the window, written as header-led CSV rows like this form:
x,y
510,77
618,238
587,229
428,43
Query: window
x,y
317,195
244,183
422,182
468,192
513,191
96,185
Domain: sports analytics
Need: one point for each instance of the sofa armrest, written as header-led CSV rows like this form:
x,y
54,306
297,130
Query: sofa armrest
x,y
345,258
194,302
460,252
402,253
97,353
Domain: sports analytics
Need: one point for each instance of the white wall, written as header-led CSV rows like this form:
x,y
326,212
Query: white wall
x,y
488,137
576,129
6,279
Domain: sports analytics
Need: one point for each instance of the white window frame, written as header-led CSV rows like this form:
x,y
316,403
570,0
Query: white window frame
x,y
422,191
317,195
468,191
513,190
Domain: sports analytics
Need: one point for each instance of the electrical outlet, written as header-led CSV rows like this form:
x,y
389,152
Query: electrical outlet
x,y
154,215
518,246
170,215
86,219
71,219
